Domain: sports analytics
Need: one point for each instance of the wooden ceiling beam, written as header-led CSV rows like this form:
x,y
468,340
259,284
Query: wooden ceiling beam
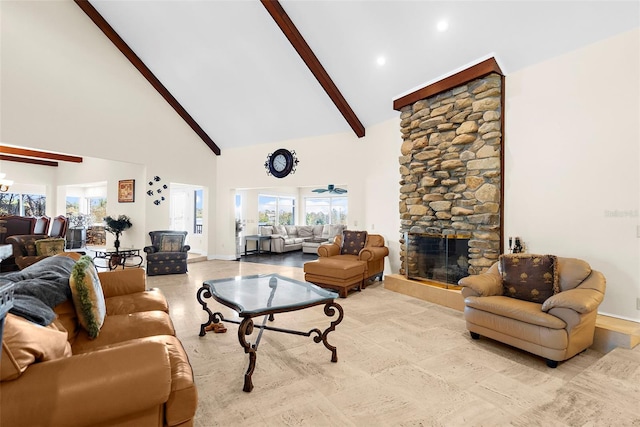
x,y
298,42
39,154
28,160
111,34
481,69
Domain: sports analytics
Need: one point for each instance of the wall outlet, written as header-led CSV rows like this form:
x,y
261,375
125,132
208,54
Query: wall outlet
x,y
637,303
373,226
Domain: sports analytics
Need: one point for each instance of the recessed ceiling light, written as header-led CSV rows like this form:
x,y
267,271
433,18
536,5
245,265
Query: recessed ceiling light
x,y
381,60
442,26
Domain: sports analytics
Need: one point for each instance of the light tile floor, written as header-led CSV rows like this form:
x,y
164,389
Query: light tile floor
x,y
401,362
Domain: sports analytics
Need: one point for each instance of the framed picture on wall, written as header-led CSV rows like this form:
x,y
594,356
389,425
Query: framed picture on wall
x,y
126,191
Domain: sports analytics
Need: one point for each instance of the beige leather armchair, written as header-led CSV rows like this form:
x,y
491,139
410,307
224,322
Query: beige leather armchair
x,y
557,328
372,255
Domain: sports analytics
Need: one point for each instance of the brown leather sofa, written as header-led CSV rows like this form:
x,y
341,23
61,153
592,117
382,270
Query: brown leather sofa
x,y
24,249
14,224
556,328
134,373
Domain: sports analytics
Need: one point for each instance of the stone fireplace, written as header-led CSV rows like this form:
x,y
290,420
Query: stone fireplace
x,y
451,175
443,258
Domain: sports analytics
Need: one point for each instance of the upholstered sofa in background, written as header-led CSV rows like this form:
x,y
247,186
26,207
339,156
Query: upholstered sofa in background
x,y
542,304
134,373
29,249
286,238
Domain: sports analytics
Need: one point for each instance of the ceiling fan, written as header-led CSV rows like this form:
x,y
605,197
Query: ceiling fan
x,y
331,189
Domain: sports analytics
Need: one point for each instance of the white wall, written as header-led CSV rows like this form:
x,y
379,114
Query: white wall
x,y
42,181
368,167
572,158
66,88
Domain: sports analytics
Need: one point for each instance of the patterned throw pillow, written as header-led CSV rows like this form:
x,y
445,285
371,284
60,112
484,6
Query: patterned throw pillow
x,y
353,242
49,247
529,277
281,230
171,243
87,296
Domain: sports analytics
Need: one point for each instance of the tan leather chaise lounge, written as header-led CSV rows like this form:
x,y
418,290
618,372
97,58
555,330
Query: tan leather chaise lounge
x,y
134,373
542,304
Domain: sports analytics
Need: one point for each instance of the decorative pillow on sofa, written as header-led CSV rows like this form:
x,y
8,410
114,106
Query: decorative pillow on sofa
x,y
24,343
529,277
87,295
305,231
353,242
171,242
265,230
49,247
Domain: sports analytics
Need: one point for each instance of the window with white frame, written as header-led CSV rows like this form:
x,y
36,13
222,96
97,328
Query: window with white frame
x,y
276,210
325,210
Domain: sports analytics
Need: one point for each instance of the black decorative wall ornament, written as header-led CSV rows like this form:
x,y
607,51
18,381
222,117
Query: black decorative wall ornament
x,y
156,181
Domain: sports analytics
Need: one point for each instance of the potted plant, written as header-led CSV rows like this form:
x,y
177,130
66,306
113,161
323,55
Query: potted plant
x,y
117,226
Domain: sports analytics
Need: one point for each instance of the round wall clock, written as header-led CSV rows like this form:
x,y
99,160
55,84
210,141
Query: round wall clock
x,y
281,163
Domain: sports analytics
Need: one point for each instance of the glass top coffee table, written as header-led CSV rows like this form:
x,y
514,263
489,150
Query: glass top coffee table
x,y
266,295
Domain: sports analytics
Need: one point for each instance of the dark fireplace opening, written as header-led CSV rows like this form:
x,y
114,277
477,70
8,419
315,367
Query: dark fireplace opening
x,y
437,257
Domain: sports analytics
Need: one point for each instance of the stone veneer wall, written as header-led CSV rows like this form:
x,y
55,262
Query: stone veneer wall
x,y
451,168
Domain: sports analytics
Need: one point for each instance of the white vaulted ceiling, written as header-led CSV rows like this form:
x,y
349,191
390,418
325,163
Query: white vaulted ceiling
x,y
232,69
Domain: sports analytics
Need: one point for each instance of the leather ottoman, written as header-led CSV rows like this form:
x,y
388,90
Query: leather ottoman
x,y
339,275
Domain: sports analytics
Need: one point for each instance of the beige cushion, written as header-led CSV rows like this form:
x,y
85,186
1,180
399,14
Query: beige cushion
x,y
292,230
305,231
572,272
49,247
24,343
87,296
266,230
529,277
